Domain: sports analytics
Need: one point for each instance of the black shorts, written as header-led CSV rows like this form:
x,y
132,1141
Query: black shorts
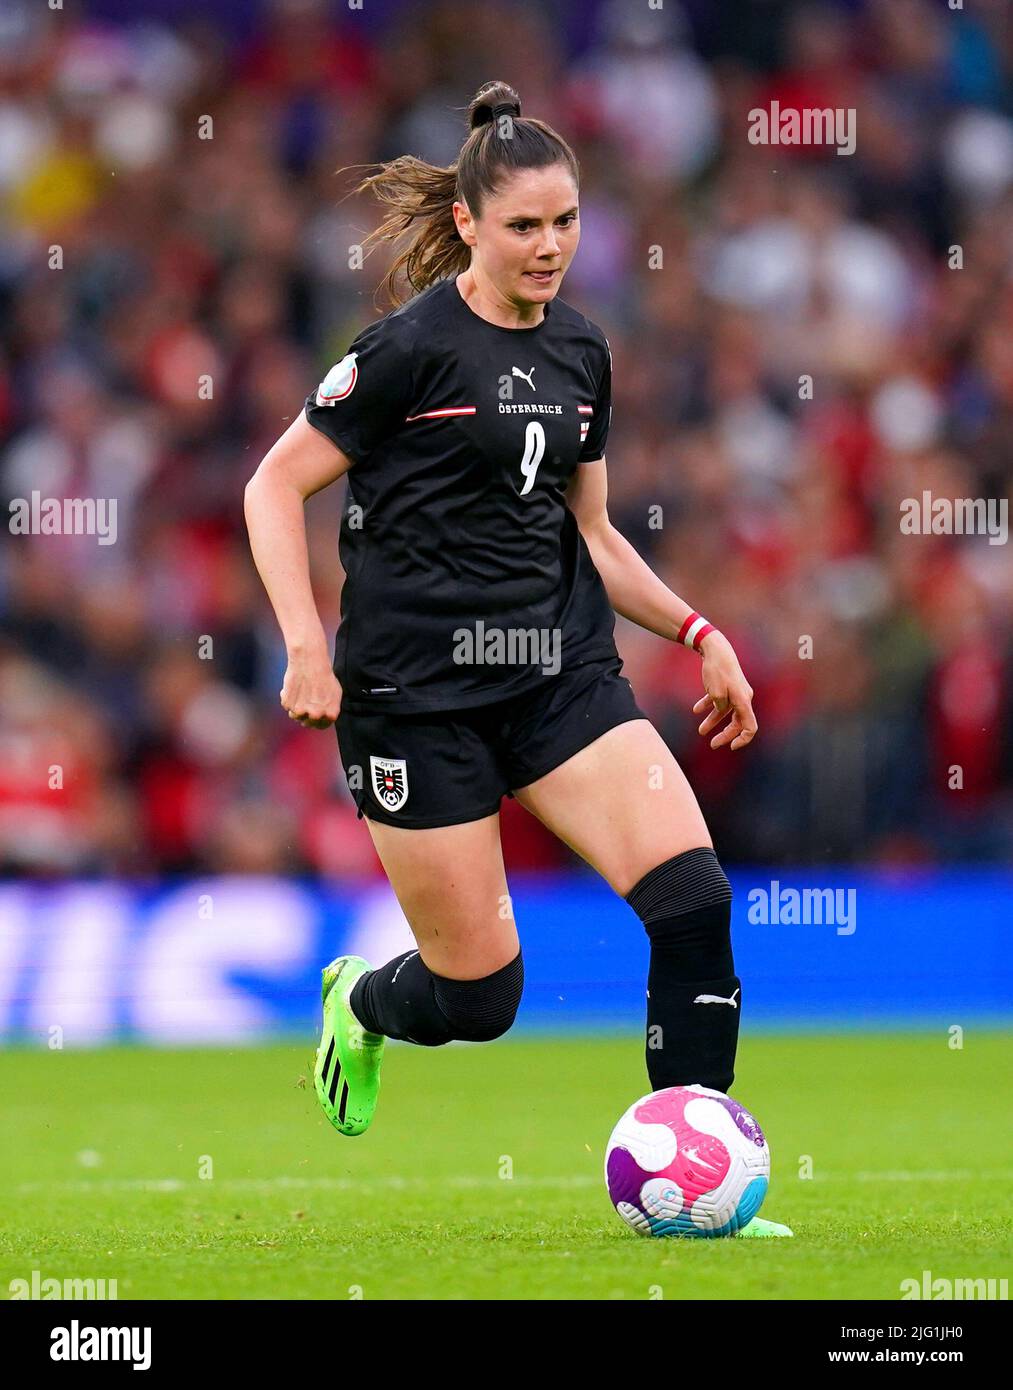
x,y
446,767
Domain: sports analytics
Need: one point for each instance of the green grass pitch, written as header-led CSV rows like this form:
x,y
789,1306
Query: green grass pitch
x,y
102,1154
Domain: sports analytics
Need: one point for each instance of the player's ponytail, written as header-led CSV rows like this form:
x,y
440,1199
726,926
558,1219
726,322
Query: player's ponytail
x,y
421,196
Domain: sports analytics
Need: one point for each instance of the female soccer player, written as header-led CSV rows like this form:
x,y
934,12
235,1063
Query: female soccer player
x,y
475,656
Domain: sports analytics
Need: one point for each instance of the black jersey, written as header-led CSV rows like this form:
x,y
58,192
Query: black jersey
x,y
467,579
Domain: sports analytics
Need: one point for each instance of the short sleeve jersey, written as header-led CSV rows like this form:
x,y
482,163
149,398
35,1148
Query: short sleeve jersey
x,y
467,578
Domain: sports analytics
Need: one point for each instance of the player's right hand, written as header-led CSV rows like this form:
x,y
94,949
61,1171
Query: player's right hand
x,y
311,694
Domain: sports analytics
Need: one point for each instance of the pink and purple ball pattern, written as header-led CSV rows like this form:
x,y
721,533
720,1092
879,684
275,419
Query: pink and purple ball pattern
x,y
676,1166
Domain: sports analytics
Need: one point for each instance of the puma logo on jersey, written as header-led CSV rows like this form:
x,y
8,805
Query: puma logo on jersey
x,y
716,999
516,371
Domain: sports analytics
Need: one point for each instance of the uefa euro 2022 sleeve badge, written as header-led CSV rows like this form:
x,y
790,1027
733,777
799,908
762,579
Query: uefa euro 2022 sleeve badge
x,y
339,381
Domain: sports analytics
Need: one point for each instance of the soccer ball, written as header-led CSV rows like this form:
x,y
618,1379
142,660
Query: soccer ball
x,y
687,1161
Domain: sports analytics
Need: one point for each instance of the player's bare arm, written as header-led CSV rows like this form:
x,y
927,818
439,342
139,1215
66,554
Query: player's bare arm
x,y
637,593
301,463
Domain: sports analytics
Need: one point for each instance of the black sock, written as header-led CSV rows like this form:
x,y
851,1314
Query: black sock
x,y
399,1001
692,1034
404,999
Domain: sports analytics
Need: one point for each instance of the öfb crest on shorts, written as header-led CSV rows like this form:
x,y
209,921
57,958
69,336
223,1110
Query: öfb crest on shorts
x,y
390,781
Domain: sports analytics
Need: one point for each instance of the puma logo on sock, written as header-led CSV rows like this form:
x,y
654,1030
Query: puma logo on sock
x,y
716,999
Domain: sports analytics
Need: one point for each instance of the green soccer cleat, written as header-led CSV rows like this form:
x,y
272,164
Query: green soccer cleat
x,y
759,1229
347,1070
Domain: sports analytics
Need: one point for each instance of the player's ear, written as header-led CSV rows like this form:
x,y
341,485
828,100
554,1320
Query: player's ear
x,y
463,222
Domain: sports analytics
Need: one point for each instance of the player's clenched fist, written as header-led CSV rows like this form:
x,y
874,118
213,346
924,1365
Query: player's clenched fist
x,y
311,694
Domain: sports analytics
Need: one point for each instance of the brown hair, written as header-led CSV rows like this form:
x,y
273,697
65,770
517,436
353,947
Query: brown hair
x,y
422,195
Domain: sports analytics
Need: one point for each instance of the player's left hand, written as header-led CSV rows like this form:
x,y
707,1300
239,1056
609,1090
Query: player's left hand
x,y
728,693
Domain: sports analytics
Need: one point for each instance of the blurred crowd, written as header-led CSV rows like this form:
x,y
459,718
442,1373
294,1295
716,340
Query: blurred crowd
x,y
171,287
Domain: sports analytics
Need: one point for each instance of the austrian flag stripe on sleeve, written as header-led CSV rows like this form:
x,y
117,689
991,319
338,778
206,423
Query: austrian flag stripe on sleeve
x,y
440,414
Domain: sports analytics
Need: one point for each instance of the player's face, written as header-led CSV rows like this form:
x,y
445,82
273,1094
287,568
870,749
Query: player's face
x,y
528,233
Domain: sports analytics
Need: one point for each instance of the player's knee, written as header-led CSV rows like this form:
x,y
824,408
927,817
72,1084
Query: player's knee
x,y
684,883
685,905
481,1010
